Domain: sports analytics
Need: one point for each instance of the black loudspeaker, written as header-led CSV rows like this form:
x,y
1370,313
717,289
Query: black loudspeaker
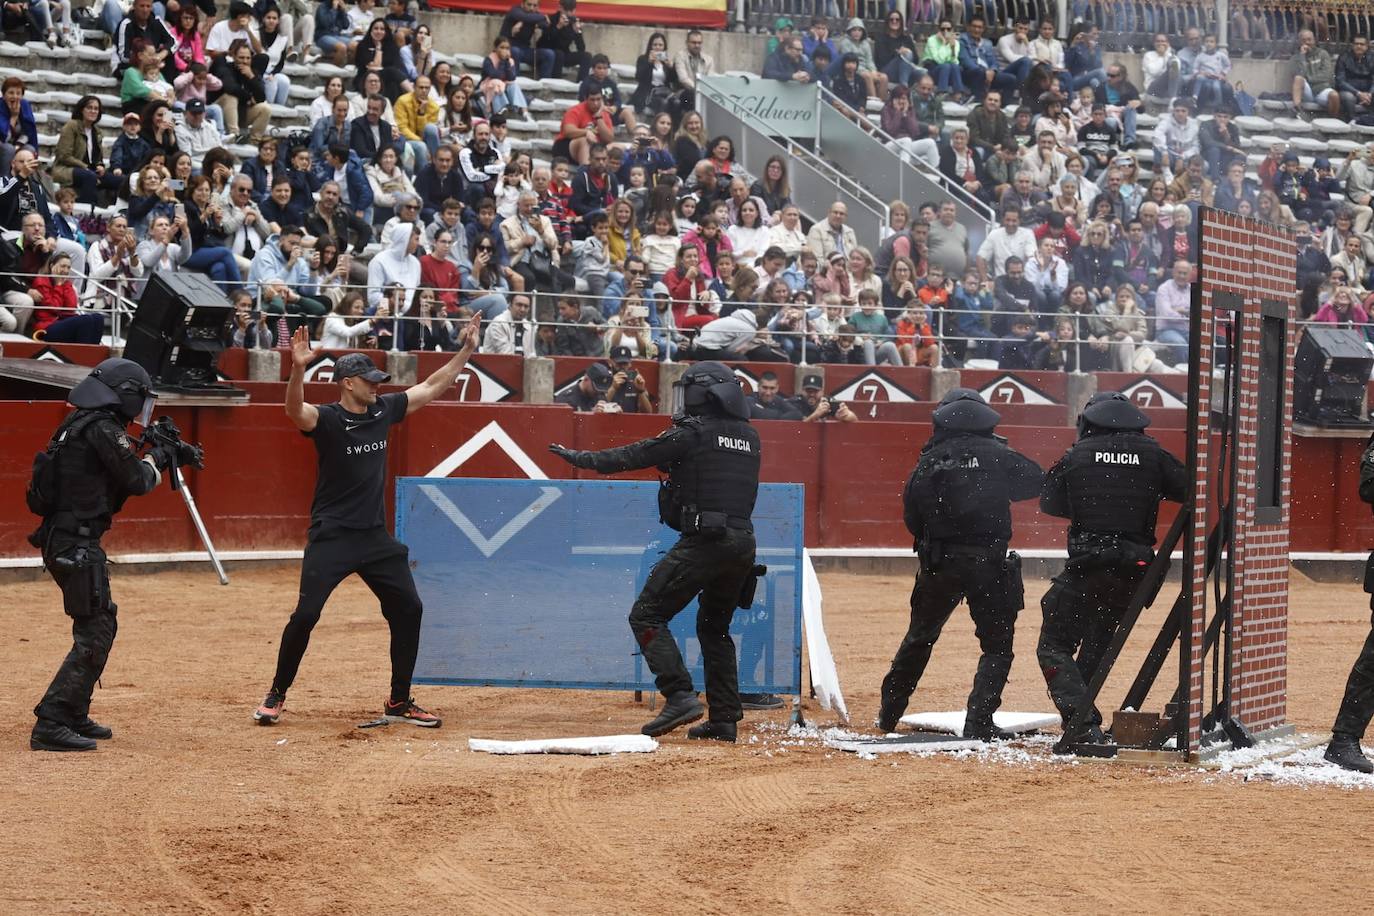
x,y
1330,376
176,332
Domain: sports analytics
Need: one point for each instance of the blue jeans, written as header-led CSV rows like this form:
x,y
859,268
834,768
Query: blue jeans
x,y
947,76
540,60
420,150
1213,94
327,43
1093,78
1176,340
902,71
217,262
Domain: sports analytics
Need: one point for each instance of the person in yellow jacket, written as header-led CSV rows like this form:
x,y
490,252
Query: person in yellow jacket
x,y
417,119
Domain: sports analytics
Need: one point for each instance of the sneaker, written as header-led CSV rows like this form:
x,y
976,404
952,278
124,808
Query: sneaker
x,y
312,56
1344,751
54,736
270,710
713,731
407,711
760,701
89,728
678,710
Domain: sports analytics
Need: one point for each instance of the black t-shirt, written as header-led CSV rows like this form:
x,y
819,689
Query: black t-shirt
x,y
352,466
780,408
578,400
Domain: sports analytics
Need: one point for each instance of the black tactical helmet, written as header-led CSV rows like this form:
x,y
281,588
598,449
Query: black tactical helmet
x,y
120,384
711,389
964,410
1111,411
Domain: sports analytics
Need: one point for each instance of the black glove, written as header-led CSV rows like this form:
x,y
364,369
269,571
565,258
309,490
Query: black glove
x,y
572,456
164,455
190,455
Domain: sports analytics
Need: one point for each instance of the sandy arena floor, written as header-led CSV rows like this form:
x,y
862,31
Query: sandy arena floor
x,y
191,808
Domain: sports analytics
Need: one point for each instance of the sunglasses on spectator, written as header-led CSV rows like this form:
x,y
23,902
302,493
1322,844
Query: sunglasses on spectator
x,y
485,248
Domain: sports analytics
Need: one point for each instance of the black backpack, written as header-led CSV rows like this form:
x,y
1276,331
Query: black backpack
x,y
41,494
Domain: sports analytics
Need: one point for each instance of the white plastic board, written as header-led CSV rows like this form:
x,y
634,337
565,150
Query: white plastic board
x,y
825,680
952,723
604,744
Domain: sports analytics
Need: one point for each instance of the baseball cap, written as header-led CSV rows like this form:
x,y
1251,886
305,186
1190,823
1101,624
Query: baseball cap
x,y
621,355
1290,156
661,289
599,375
354,365
812,381
1321,162
132,116
195,105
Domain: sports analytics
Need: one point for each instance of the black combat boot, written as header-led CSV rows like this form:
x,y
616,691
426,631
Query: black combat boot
x,y
1344,751
714,731
1088,734
890,713
984,730
678,710
89,728
48,735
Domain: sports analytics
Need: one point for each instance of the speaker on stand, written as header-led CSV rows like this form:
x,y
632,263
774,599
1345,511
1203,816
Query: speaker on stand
x,y
1330,377
177,332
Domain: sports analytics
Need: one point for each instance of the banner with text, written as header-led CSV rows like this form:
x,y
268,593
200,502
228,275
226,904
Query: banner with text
x,y
773,107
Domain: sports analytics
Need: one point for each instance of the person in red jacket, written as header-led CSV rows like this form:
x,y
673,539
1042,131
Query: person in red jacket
x,y
55,319
694,305
439,273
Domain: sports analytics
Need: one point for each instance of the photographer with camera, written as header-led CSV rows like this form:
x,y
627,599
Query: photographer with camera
x,y
627,386
248,328
80,482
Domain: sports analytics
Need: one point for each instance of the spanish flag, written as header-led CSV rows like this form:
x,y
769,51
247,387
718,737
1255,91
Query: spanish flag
x,y
706,14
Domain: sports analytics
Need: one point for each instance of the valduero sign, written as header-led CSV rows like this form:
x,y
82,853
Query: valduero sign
x,y
776,108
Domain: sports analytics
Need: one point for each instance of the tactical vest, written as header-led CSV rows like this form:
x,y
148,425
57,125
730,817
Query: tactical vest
x,y
1115,483
719,474
85,490
959,489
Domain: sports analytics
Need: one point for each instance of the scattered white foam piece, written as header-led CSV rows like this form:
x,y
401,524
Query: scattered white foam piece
x,y
952,723
604,744
1293,761
864,748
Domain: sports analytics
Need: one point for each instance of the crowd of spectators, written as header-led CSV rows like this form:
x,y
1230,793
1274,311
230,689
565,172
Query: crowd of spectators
x,y
406,198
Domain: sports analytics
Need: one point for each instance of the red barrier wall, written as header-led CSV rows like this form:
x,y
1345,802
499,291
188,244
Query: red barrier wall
x,y
256,490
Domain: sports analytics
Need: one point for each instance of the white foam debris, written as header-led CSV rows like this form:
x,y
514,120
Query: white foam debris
x,y
603,744
1292,761
952,723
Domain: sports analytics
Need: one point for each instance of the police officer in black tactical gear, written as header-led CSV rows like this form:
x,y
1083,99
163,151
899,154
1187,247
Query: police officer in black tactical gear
x,y
1108,485
1357,706
711,455
957,505
80,482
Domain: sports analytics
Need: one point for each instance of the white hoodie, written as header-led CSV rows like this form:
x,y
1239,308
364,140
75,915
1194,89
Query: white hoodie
x,y
733,333
392,266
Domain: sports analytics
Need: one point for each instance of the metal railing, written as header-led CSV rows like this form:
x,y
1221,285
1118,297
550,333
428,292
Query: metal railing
x,y
815,183
869,152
